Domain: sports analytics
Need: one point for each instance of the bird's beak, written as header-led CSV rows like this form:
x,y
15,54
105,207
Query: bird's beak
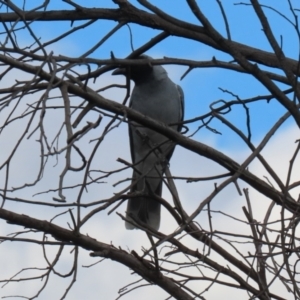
x,y
119,71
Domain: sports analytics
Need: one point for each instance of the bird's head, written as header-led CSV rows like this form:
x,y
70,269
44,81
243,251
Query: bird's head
x,y
137,73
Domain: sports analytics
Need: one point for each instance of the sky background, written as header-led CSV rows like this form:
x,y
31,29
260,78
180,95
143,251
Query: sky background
x,y
201,88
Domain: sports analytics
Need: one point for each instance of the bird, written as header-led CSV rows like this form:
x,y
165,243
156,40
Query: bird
x,y
155,96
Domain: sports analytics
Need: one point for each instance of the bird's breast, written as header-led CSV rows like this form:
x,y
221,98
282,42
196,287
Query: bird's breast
x,y
159,101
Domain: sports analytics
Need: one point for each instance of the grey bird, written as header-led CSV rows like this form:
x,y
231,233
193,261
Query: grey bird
x,y
156,96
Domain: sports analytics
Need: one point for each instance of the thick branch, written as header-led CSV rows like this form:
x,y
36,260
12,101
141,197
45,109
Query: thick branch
x,y
140,266
178,138
130,14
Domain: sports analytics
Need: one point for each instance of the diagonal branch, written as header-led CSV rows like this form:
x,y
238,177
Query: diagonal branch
x,y
138,265
131,14
178,138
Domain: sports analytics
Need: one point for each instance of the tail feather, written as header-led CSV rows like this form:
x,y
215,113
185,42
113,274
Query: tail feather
x,y
148,177
145,208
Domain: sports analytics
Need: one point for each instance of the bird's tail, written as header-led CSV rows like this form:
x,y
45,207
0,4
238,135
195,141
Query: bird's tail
x,y
145,208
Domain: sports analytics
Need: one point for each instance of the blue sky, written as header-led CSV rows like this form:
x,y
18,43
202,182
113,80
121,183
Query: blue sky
x,y
201,87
